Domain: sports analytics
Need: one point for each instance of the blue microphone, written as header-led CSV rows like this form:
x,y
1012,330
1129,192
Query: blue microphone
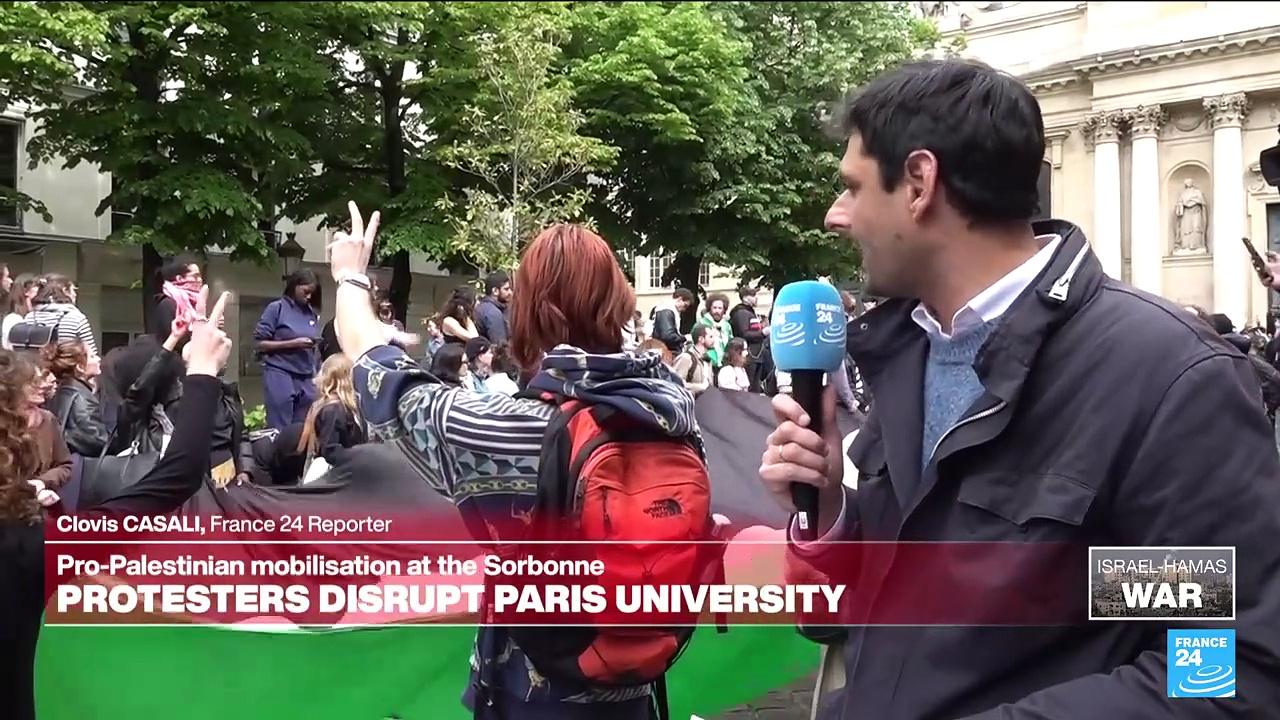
x,y
807,337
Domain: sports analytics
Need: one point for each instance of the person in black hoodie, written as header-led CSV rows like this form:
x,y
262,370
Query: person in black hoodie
x,y
746,324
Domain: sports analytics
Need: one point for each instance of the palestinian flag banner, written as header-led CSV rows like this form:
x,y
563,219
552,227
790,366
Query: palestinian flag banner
x,y
395,669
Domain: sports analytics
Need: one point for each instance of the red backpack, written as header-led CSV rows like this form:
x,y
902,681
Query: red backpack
x,y
604,476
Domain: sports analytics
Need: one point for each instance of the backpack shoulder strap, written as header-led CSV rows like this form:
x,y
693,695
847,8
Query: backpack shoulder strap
x,y
555,488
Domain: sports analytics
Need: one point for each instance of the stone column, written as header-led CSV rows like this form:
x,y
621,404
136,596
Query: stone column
x,y
1232,272
1146,255
1104,129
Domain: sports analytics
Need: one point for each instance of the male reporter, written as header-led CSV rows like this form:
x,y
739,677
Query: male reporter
x,y
1020,395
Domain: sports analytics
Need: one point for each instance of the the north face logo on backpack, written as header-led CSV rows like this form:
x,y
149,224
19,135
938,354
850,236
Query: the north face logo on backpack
x,y
664,508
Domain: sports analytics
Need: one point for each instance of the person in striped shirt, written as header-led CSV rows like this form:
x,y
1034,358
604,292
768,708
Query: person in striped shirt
x,y
55,304
483,450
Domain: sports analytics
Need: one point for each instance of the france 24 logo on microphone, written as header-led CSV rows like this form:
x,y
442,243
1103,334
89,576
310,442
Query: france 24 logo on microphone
x,y
1202,663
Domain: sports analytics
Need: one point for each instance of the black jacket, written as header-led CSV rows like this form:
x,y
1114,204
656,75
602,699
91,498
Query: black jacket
x,y
1109,417
666,327
153,394
336,430
79,415
745,324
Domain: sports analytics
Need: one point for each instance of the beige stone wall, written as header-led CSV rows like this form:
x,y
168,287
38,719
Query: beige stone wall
x,y
1083,59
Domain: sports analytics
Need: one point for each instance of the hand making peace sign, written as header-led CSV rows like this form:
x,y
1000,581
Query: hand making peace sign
x,y
349,251
209,347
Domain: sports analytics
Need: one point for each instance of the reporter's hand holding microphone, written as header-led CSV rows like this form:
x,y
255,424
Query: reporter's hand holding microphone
x,y
802,465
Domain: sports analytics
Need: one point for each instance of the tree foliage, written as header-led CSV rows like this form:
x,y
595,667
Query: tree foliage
x,y
666,84
687,129
520,143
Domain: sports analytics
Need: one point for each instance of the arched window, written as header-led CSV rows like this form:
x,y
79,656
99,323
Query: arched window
x,y
1044,190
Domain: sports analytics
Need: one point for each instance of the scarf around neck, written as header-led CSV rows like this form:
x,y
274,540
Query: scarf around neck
x,y
638,385
182,297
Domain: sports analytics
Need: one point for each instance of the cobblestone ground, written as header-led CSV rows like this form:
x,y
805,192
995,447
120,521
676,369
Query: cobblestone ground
x,y
788,703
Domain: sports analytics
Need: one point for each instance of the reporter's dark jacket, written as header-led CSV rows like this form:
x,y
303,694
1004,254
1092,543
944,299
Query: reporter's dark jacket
x,y
1109,417
79,415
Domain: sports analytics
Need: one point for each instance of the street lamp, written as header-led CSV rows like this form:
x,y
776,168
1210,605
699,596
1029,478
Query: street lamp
x,y
291,253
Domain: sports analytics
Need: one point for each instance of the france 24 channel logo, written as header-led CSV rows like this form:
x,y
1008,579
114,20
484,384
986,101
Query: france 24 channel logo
x,y
1202,663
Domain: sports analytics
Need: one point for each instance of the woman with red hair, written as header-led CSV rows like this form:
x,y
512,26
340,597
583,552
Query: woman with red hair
x,y
567,336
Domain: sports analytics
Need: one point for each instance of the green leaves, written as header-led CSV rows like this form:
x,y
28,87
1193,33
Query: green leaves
x,y
688,128
519,147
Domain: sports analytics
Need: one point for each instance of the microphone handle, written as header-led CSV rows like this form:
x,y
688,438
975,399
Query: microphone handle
x,y
806,388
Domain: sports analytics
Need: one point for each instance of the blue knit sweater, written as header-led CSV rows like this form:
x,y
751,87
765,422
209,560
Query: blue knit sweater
x,y
951,385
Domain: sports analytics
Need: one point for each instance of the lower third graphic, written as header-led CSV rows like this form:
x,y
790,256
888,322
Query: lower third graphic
x,y
1202,663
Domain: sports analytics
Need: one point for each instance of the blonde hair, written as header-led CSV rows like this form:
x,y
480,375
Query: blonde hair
x,y
333,385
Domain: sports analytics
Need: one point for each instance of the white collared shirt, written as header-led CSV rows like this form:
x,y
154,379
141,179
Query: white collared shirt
x,y
996,299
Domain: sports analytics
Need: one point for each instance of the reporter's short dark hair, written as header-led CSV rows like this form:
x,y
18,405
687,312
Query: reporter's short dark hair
x,y
684,294
983,125
698,332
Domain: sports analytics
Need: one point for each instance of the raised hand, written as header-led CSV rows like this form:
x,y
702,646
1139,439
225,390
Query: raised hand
x,y
209,347
349,251
1273,266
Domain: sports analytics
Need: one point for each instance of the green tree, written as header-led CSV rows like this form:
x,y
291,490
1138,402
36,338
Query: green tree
x,y
520,143
35,67
804,57
666,84
189,107
408,70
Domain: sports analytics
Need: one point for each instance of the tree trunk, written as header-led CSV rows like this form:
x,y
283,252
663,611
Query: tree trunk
x,y
684,270
144,73
151,262
391,86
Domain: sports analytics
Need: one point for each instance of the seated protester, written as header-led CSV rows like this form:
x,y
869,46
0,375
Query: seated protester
x,y
666,319
449,365
74,403
501,380
569,337
657,347
23,503
693,365
55,306
276,457
733,375
479,357
333,423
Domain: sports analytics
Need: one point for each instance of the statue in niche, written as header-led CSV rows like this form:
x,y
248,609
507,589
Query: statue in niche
x,y
1189,220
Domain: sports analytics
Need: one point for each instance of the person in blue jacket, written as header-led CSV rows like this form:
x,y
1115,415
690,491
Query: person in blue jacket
x,y
286,339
